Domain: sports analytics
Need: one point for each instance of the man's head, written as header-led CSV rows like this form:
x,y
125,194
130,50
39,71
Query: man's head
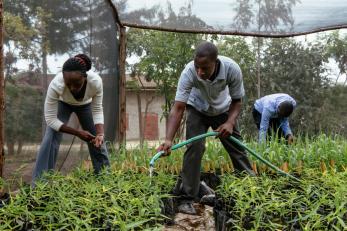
x,y
285,109
205,59
75,72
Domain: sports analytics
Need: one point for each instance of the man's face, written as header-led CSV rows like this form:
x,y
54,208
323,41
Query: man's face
x,y
281,112
204,67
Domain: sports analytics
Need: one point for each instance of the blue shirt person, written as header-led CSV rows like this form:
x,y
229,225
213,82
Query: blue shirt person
x,y
271,114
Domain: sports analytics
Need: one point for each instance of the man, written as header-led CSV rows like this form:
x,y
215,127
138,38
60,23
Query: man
x,y
210,88
271,114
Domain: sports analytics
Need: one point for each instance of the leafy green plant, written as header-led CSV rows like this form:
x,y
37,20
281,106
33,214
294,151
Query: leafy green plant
x,y
113,200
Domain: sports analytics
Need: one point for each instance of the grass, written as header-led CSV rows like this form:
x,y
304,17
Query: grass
x,y
114,200
125,198
319,202
328,151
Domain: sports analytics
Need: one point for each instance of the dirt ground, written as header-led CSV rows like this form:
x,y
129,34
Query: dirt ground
x,y
203,221
18,168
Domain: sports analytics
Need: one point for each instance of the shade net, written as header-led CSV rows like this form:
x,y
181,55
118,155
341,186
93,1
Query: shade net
x,y
261,17
69,28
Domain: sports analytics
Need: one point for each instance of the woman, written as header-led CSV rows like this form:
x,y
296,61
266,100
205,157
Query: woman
x,y
77,90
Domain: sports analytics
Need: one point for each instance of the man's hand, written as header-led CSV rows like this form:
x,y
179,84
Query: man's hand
x,y
99,140
290,139
225,130
166,147
85,135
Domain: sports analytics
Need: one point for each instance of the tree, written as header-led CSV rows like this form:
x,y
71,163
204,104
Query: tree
x,y
163,55
22,123
263,16
336,49
18,43
333,113
238,49
290,67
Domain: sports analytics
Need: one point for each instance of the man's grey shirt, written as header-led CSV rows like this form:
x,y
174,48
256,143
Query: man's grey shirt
x,y
211,97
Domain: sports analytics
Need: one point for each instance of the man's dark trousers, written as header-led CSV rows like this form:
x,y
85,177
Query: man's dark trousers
x,y
274,125
198,123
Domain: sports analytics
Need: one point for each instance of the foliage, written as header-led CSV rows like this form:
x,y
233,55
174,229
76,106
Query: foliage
x,y
268,15
23,110
289,66
18,33
18,43
110,201
163,57
307,152
263,203
126,198
336,45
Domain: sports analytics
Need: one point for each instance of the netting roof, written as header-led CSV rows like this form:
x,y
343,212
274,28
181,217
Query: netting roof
x,y
247,17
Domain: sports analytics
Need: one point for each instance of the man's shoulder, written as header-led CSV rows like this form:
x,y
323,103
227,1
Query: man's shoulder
x,y
227,61
229,65
189,66
188,71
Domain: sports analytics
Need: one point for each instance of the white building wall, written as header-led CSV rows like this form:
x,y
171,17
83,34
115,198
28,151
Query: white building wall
x,y
155,106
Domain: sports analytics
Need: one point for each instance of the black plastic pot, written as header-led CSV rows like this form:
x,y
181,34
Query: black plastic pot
x,y
4,199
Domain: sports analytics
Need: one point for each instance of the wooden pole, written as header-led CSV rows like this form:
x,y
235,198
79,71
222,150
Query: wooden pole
x,y
2,91
122,85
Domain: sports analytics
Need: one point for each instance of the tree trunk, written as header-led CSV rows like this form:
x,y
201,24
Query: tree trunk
x,y
148,102
44,79
139,111
20,147
122,86
10,148
258,67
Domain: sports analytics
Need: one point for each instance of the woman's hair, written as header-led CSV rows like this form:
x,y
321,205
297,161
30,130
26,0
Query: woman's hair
x,y
80,62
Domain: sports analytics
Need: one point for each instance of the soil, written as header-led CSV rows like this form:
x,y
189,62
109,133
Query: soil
x,y
18,168
203,221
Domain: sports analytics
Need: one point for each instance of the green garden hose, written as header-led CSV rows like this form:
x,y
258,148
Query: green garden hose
x,y
233,139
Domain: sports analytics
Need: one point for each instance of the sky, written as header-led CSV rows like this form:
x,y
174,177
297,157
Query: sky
x,y
221,13
207,11
55,62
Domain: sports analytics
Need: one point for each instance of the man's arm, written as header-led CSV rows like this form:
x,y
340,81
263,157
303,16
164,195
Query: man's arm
x,y
264,124
285,127
287,131
236,91
227,128
173,123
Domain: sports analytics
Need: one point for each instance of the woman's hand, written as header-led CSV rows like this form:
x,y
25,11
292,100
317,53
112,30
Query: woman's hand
x,y
98,140
85,135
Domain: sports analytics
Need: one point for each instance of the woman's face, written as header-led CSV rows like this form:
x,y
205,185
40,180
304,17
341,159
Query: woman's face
x,y
74,81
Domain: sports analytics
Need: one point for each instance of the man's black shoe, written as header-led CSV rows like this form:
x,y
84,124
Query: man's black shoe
x,y
187,208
